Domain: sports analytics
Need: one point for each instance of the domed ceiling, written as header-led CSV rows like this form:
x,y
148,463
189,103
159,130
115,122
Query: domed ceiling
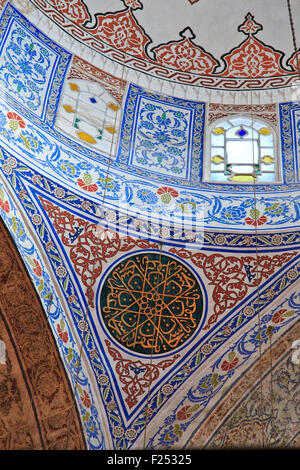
x,y
173,298
187,43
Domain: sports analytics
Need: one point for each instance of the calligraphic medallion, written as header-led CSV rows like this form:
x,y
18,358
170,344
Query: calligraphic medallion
x,y
151,303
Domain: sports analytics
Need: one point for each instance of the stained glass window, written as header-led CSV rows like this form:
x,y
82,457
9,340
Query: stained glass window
x,y
242,150
89,114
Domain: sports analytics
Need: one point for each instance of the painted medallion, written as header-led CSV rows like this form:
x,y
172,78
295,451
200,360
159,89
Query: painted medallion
x,y
151,303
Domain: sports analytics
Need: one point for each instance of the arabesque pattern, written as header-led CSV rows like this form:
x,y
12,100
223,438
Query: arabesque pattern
x,y
119,36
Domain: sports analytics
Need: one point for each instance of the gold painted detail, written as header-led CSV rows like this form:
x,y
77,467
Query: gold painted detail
x,y
246,178
151,303
113,107
111,129
73,86
217,159
68,108
264,131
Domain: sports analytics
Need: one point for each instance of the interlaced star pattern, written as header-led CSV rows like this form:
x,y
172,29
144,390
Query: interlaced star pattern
x,y
151,303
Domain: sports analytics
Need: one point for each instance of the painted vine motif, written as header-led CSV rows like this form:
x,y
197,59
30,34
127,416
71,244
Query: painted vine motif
x,y
183,61
137,376
232,276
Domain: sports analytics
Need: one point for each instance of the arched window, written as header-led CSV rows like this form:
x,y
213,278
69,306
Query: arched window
x,y
89,114
242,150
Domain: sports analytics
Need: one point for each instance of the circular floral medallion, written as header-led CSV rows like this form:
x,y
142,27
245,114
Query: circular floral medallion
x,y
151,303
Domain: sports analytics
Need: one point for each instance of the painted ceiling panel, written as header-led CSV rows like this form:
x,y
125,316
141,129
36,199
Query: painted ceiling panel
x,y
185,49
81,262
161,290
32,67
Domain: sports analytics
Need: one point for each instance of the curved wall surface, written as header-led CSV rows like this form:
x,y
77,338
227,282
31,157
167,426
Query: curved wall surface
x,y
165,293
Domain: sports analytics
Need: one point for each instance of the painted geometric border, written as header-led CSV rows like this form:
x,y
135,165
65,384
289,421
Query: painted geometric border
x,y
57,74
290,146
66,20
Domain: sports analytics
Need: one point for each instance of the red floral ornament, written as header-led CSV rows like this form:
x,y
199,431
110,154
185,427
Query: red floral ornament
x,y
186,412
37,269
185,55
252,58
281,315
62,334
4,206
165,189
15,117
255,218
134,4
73,9
110,29
167,194
231,363
86,399
92,188
260,221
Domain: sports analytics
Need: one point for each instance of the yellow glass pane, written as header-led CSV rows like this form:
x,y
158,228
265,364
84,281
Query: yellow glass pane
x,y
68,108
217,159
264,131
74,86
242,178
111,130
113,107
86,137
267,159
219,130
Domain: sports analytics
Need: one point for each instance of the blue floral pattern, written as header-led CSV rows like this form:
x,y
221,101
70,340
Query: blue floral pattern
x,y
162,139
162,136
32,67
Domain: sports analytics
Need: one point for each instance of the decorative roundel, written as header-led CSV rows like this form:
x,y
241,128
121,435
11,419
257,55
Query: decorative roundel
x,y
151,303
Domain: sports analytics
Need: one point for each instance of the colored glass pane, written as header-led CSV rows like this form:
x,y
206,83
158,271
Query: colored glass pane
x,y
217,139
266,140
242,178
242,132
86,137
243,147
239,151
264,131
68,108
73,86
267,159
219,130
242,168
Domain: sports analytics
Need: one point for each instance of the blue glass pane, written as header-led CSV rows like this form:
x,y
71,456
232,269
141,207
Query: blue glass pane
x,y
266,177
242,133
